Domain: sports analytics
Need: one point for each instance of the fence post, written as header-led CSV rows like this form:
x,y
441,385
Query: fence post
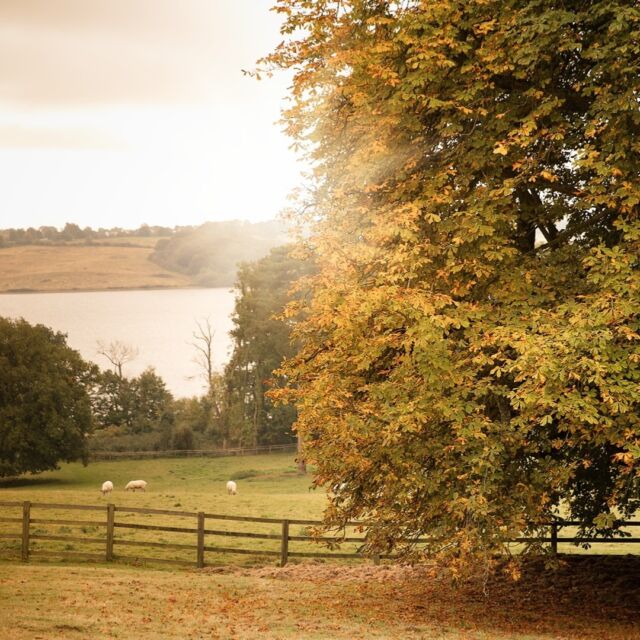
x,y
111,511
200,556
284,548
554,538
26,519
376,559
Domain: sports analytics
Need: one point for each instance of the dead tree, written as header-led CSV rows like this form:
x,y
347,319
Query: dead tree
x,y
118,354
203,345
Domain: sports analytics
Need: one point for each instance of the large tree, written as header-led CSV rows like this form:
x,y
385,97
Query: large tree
x,y
45,409
261,342
471,358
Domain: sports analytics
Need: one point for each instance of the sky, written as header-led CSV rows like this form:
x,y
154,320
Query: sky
x,y
124,112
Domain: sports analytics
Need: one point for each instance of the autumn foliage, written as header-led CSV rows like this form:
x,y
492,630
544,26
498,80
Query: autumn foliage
x,y
471,356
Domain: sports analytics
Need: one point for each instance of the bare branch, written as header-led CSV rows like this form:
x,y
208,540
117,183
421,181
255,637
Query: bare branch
x,y
203,344
117,353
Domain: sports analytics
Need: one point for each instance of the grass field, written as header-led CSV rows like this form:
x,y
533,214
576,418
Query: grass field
x,y
587,598
268,487
315,602
83,268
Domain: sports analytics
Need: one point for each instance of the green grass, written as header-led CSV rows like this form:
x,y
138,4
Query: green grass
x,y
268,486
67,599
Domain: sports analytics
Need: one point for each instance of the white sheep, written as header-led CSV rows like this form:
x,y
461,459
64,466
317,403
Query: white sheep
x,y
107,487
232,488
136,484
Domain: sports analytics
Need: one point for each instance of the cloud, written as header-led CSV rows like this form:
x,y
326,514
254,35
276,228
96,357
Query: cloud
x,y
117,112
21,137
88,52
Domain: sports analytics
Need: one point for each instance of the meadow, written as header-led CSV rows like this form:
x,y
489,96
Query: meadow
x,y
248,597
268,487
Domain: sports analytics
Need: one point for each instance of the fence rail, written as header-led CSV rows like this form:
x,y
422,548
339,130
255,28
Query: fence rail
x,y
192,453
200,531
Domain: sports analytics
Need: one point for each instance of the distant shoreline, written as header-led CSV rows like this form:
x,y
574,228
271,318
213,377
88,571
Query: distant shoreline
x,y
14,292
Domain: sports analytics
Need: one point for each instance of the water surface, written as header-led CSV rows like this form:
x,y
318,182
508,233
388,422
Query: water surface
x,y
158,323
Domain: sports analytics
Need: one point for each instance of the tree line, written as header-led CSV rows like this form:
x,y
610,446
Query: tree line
x,y
73,233
208,253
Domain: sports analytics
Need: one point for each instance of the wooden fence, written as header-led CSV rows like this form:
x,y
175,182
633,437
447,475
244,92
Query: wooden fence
x,y
192,453
200,532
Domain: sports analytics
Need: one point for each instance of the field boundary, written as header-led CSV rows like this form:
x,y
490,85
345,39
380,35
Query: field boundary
x,y
200,530
192,453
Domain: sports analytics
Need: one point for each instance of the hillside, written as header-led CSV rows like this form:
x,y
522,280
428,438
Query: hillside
x,y
210,253
81,267
204,256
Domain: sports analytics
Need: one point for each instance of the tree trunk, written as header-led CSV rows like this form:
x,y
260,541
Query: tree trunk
x,y
302,463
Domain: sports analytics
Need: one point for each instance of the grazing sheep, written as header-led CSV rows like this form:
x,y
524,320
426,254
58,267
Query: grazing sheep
x,y
136,484
107,487
232,488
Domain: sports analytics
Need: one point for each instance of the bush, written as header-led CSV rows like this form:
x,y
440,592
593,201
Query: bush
x,y
111,440
183,438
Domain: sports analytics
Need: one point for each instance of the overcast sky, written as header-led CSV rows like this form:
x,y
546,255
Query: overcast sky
x,y
120,112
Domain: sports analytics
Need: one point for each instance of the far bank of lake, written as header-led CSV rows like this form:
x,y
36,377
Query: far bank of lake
x,y
159,323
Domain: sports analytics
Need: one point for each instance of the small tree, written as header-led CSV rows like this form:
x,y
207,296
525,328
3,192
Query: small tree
x,y
151,400
134,404
165,428
113,401
214,401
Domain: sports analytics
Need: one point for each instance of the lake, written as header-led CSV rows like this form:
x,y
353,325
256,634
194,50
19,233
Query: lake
x,y
159,323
